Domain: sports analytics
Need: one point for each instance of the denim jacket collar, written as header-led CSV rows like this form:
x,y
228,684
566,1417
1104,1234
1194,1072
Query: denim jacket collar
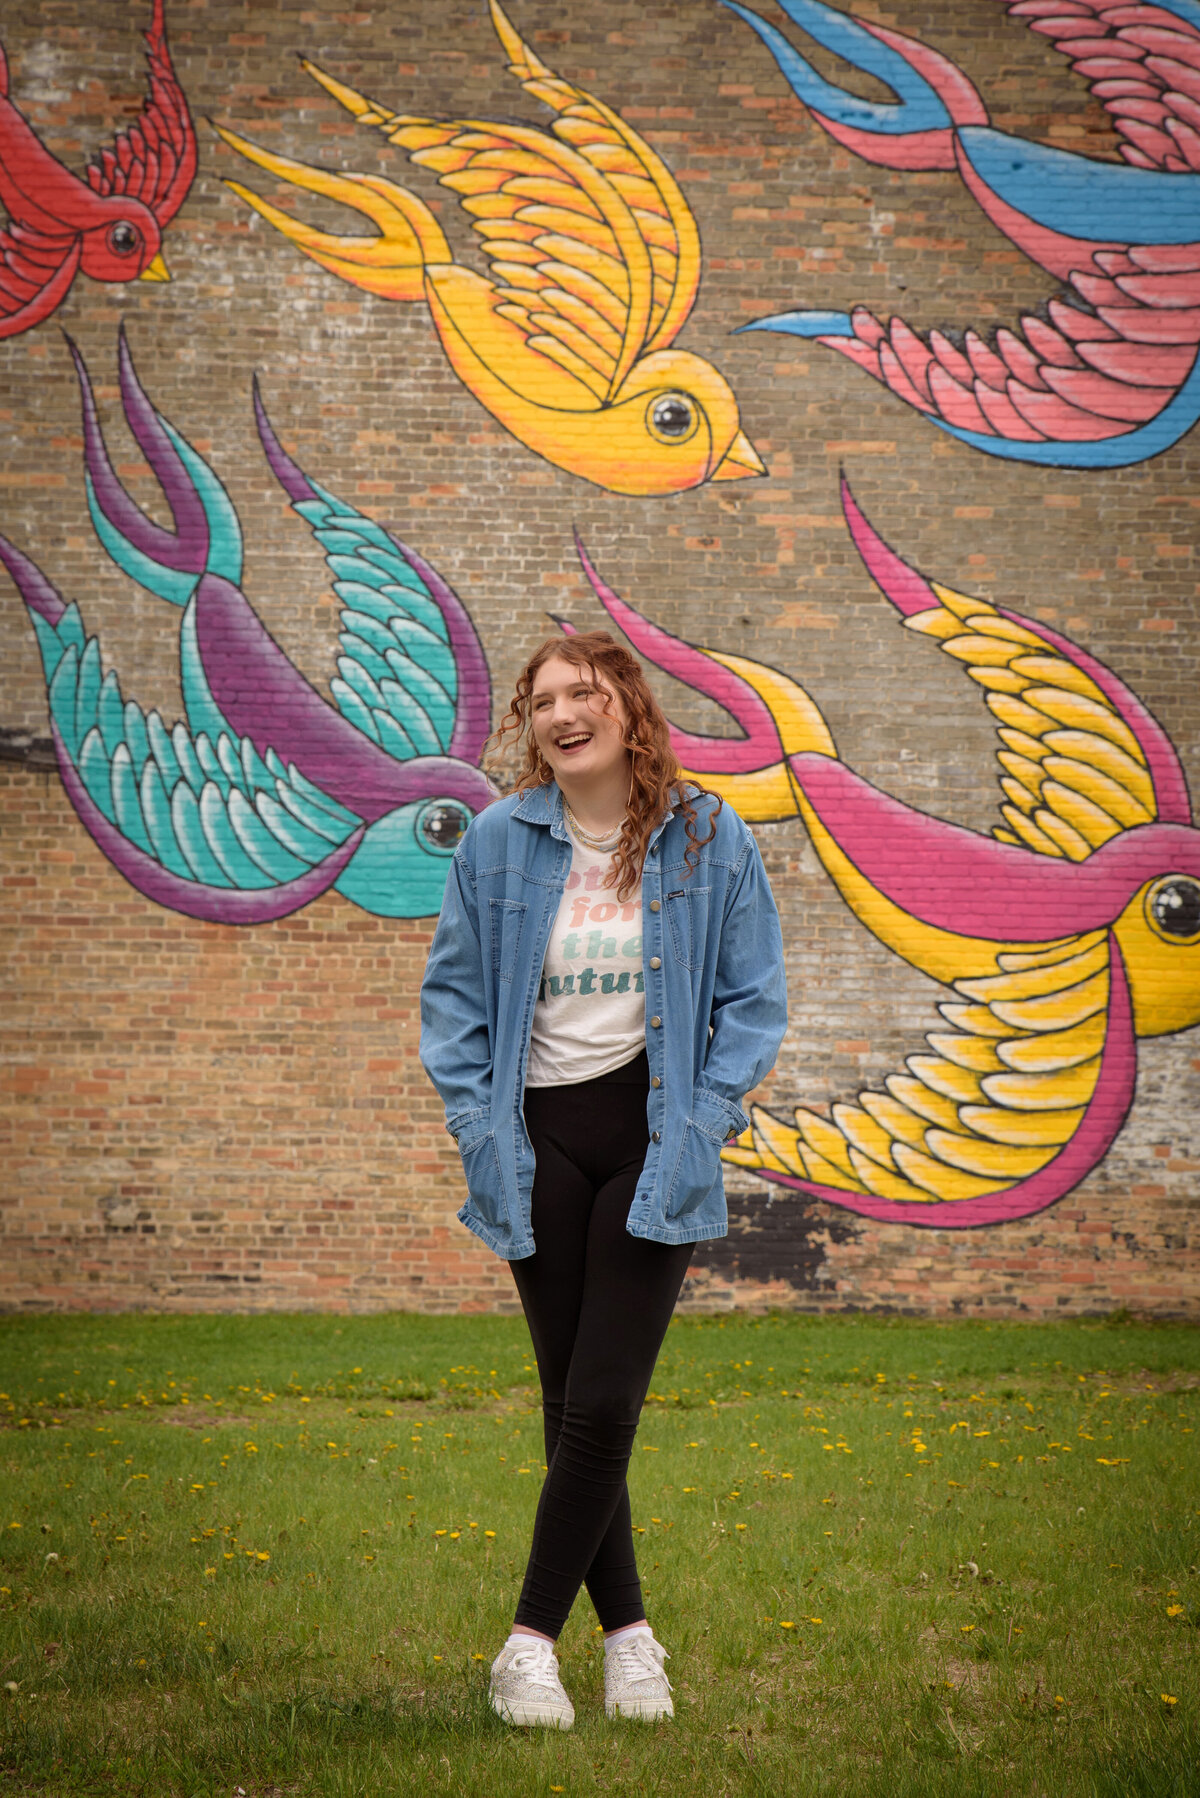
x,y
544,805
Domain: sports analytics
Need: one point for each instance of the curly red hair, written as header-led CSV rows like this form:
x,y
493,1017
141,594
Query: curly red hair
x,y
657,783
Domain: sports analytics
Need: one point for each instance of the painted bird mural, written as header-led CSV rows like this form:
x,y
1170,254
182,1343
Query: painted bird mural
x,y
267,796
110,225
1068,934
1108,376
595,262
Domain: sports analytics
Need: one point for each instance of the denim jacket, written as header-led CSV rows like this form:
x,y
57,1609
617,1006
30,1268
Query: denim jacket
x,y
716,1009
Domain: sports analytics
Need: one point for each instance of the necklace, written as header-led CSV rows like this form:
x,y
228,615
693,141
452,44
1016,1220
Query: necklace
x,y
603,839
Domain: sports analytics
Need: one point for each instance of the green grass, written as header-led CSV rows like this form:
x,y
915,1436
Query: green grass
x,y
888,1558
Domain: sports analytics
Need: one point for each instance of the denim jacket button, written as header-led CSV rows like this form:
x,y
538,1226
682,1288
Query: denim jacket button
x,y
655,905
656,1136
656,1023
655,1081
655,961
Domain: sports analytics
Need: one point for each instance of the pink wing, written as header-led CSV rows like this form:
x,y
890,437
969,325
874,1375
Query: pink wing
x,y
155,159
1072,377
36,272
1142,62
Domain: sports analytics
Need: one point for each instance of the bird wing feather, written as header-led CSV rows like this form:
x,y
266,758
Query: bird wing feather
x,y
639,175
397,679
1002,1093
1142,62
593,248
154,160
214,815
566,251
36,271
1074,773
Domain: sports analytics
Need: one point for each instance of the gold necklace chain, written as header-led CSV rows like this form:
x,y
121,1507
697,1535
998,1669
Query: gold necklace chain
x,y
591,839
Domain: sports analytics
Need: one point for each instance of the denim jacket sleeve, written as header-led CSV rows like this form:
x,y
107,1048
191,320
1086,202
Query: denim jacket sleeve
x,y
456,1045
749,1011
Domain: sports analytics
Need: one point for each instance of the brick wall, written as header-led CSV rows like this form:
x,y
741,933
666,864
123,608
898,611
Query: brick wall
x,y
198,1115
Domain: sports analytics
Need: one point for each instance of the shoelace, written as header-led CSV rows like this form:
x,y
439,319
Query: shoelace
x,y
539,1665
636,1661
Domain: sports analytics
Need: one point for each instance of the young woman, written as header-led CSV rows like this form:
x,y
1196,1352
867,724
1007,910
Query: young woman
x,y
605,985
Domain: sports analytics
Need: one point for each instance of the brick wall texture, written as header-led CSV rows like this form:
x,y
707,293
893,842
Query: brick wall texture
x,y
205,1116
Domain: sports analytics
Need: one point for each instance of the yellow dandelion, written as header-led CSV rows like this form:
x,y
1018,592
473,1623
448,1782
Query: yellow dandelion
x,y
489,1532
1174,1610
1168,1698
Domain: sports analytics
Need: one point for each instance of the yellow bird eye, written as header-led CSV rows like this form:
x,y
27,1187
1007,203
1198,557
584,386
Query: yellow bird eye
x,y
672,418
1173,909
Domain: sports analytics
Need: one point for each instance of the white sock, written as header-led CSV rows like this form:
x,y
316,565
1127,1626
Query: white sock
x,y
519,1638
630,1629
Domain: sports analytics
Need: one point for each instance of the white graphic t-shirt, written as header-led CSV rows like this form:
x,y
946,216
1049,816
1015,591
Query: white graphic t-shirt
x,y
590,1015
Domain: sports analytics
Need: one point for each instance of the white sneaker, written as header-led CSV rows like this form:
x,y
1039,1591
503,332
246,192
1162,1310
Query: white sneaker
x,y
634,1682
525,1688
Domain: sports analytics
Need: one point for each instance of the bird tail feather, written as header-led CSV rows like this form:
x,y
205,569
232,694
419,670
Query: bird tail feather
x,y
206,538
392,264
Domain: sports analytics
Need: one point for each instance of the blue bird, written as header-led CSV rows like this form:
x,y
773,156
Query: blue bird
x,y
267,796
1111,374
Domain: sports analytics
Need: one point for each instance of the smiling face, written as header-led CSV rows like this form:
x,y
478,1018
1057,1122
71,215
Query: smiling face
x,y
579,724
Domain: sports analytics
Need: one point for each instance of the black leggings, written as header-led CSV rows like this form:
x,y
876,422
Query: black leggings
x,y
597,1302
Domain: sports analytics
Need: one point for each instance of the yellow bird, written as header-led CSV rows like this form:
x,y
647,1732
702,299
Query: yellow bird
x,y
595,262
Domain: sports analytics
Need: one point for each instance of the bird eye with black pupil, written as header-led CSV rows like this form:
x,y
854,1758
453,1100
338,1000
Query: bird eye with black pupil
x,y
123,239
672,418
440,825
1173,909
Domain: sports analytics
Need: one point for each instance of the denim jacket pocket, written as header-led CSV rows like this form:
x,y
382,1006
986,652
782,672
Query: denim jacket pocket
x,y
506,920
481,1166
697,1167
684,906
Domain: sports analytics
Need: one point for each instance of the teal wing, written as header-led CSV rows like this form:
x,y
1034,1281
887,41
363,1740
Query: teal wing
x,y
397,679
209,811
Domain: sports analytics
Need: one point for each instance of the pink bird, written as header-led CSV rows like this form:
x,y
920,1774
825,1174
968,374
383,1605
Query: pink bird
x,y
109,225
1064,937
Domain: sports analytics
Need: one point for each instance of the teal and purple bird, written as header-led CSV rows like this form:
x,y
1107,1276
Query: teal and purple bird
x,y
267,795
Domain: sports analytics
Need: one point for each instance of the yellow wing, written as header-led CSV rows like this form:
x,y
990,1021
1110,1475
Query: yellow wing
x,y
1000,1094
641,177
1073,773
594,250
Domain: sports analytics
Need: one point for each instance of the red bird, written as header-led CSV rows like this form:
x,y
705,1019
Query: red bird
x,y
110,225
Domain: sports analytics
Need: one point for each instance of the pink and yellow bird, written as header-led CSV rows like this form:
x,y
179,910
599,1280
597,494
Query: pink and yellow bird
x,y
595,263
1070,932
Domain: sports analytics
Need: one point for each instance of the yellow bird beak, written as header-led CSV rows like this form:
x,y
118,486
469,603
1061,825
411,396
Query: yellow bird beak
x,y
740,460
156,270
